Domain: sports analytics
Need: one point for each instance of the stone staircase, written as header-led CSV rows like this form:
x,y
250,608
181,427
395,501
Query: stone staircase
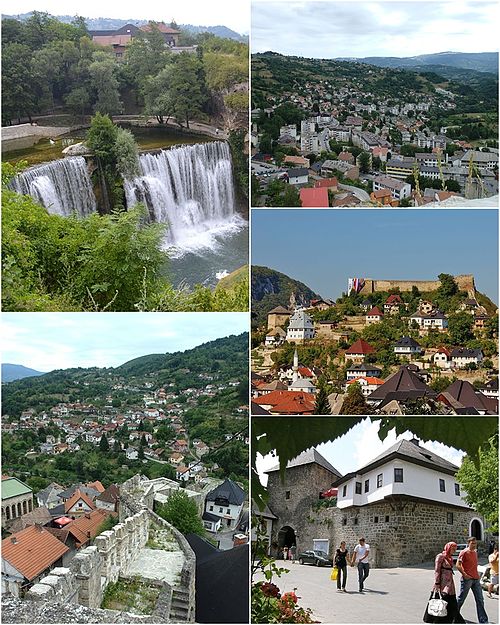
x,y
179,609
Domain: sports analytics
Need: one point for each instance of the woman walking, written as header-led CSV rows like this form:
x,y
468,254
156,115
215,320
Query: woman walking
x,y
444,584
341,564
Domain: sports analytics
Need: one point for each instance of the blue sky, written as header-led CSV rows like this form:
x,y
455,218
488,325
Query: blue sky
x,y
359,446
47,341
323,248
353,28
235,15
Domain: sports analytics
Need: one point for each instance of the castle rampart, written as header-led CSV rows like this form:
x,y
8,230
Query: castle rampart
x,y
464,282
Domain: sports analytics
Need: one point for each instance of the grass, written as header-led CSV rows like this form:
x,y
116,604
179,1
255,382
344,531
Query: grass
x,y
130,596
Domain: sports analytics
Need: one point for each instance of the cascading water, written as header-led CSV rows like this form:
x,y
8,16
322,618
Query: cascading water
x,y
190,188
63,187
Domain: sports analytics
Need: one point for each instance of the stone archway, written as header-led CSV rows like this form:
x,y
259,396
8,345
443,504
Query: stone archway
x,y
287,539
476,529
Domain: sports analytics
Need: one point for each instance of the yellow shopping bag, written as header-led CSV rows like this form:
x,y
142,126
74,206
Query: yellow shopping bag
x,y
334,574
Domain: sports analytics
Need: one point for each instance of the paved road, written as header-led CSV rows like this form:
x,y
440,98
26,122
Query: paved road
x,y
396,595
359,193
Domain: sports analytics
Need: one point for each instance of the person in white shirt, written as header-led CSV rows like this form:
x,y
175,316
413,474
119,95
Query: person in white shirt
x,y
360,557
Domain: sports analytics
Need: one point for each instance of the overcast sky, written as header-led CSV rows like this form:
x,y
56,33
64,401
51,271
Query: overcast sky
x,y
359,446
234,15
48,341
353,28
323,248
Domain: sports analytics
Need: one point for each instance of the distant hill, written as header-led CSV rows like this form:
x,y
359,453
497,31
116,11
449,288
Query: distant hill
x,y
271,288
12,372
478,61
109,23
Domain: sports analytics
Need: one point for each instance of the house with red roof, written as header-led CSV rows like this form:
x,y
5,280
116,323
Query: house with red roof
x,y
392,304
328,183
374,315
359,350
314,198
27,556
78,504
287,402
442,358
367,384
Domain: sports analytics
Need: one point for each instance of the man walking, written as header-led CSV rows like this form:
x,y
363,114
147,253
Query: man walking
x,y
360,557
467,565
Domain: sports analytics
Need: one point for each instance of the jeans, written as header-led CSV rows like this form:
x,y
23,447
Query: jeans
x,y
475,586
342,571
363,572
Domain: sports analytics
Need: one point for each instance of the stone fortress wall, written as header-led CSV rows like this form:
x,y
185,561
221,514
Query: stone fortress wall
x,y
79,588
464,282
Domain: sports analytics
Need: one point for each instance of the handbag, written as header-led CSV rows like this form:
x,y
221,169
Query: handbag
x,y
437,607
334,574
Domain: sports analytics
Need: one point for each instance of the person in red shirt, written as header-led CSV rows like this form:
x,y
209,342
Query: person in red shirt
x,y
467,565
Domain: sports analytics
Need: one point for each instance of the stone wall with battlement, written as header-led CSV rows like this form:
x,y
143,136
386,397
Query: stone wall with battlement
x,y
464,282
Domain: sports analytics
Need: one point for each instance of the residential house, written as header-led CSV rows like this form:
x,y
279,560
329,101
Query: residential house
x,y
109,499
383,197
49,496
358,351
287,402
364,369
78,504
399,189
490,389
297,161
27,556
367,384
393,304
406,346
226,501
462,356
400,168
300,328
298,175
314,198
404,385
200,448
466,400
374,315
328,183
211,522
442,358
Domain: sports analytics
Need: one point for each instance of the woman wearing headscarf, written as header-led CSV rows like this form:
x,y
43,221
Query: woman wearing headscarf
x,y
445,585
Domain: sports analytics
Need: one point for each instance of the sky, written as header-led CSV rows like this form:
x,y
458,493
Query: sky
x,y
323,248
48,341
234,15
358,447
352,28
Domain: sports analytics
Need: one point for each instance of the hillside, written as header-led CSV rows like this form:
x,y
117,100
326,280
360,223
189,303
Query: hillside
x,y
478,61
109,23
271,288
228,357
12,372
275,75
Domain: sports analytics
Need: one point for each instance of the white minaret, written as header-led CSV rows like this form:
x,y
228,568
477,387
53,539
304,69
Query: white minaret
x,y
295,376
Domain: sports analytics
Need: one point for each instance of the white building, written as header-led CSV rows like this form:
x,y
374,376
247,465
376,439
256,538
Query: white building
x,y
399,189
367,384
298,175
406,346
300,328
226,502
461,357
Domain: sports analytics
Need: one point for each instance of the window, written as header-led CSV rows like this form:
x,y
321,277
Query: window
x,y
287,494
220,510
387,518
449,518
379,480
358,488
398,475
375,519
228,511
344,521
367,486
344,490
457,489
442,486
355,520
211,508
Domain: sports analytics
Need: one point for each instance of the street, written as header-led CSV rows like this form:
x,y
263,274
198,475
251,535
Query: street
x,y
397,595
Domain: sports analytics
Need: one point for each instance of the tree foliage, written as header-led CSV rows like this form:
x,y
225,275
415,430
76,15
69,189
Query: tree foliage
x,y
181,512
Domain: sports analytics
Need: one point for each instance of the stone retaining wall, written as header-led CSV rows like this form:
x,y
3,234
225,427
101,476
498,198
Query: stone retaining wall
x,y
464,282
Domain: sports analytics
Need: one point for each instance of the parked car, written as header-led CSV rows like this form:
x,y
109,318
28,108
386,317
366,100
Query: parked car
x,y
460,547
316,557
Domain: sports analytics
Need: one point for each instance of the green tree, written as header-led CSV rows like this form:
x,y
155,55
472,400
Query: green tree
x,y
185,90
480,481
355,402
103,80
103,443
157,97
78,100
448,286
18,95
460,328
364,162
181,511
322,405
126,154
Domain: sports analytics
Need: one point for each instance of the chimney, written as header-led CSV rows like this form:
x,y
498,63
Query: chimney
x,y
415,441
13,540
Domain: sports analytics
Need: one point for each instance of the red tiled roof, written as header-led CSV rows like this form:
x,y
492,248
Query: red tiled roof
x,y
32,550
87,526
443,350
369,380
305,372
276,397
295,405
312,198
360,347
375,311
76,497
381,193
326,182
96,486
394,299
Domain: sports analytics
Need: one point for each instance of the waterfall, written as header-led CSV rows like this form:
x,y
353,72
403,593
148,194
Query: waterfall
x,y
190,188
63,187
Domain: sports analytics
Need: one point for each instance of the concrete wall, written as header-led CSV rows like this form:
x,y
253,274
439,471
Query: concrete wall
x,y
465,283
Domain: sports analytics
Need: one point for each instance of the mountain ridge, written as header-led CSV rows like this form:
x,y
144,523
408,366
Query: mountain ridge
x,y
12,372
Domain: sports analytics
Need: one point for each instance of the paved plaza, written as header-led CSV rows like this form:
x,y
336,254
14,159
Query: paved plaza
x,y
396,595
